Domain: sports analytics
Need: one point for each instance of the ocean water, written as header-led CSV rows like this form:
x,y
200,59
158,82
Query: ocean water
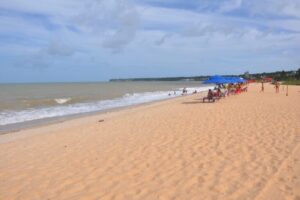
x,y
21,103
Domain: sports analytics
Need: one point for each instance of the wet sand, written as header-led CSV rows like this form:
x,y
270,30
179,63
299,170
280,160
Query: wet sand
x,y
246,146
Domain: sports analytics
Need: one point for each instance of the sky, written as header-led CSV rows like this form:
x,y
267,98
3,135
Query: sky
x,y
95,40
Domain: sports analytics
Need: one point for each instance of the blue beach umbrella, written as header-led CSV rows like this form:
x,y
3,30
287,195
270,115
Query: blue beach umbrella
x,y
215,80
239,80
235,80
224,80
232,80
242,80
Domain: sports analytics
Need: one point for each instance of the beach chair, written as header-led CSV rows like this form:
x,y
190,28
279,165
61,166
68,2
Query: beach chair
x,y
224,93
245,89
217,95
209,98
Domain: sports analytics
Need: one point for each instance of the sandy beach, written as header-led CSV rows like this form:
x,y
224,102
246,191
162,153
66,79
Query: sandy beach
x,y
245,146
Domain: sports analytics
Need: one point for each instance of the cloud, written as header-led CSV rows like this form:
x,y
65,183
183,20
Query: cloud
x,y
163,39
45,57
58,48
230,5
115,21
204,29
279,8
175,35
128,21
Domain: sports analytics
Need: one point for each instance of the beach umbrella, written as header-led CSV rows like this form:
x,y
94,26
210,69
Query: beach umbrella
x,y
230,80
240,80
215,80
243,80
224,80
235,80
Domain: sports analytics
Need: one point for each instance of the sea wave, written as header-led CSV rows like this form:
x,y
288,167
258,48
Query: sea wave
x,y
13,117
62,100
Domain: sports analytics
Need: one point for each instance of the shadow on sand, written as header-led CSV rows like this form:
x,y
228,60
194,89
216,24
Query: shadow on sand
x,y
196,102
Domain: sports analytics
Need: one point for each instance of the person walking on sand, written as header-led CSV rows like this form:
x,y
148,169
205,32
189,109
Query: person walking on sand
x,y
262,86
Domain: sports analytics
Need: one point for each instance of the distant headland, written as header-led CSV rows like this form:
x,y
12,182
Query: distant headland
x,y
278,75
192,78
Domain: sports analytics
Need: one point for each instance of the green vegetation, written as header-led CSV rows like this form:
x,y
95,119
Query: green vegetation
x,y
192,78
278,76
293,79
288,77
291,82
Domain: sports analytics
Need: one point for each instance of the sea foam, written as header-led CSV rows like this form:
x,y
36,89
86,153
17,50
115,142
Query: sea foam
x,y
62,100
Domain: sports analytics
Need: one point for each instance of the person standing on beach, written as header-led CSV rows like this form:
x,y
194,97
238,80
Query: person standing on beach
x,y
262,86
184,91
276,87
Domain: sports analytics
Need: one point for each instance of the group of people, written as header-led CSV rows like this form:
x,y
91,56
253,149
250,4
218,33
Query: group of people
x,y
223,90
276,83
184,92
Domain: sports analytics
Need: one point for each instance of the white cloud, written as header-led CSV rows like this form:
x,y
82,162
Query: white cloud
x,y
115,22
230,5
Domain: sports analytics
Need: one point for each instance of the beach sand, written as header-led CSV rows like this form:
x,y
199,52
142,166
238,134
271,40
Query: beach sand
x,y
246,146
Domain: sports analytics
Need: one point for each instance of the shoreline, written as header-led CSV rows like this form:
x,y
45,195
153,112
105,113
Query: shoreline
x,y
242,147
12,128
57,121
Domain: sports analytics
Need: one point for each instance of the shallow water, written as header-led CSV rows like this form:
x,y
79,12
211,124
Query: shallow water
x,y
27,102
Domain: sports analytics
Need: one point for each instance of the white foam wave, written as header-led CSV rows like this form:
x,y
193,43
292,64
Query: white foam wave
x,y
12,117
62,100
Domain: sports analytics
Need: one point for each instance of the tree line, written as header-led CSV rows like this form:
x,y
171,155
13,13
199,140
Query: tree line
x,y
277,75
